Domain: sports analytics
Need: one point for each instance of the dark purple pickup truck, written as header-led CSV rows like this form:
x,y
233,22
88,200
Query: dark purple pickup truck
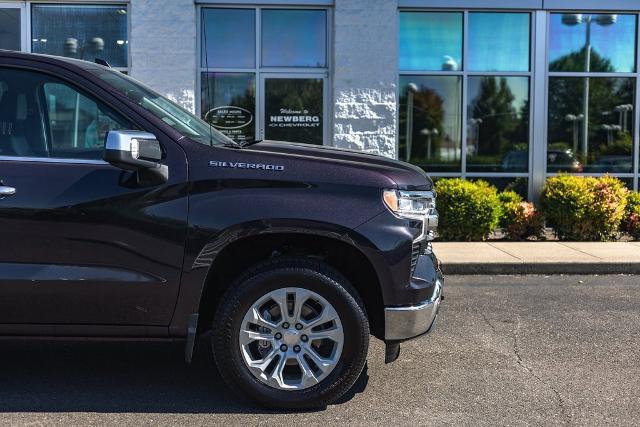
x,y
124,216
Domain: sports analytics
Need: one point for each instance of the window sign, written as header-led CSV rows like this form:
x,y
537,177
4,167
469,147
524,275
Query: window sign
x,y
294,110
228,101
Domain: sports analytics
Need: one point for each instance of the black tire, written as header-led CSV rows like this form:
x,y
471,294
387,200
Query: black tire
x,y
275,274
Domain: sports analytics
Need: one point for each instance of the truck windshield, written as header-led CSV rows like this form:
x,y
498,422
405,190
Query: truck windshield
x,y
169,112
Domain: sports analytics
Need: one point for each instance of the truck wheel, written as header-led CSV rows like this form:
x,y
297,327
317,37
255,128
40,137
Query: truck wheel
x,y
291,333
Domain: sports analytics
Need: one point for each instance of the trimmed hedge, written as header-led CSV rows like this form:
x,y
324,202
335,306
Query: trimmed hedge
x,y
631,221
469,211
584,208
520,219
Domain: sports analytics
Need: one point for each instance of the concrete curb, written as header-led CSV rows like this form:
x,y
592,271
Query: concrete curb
x,y
476,268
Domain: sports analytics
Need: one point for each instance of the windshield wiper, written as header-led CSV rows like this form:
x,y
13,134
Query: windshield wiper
x,y
251,142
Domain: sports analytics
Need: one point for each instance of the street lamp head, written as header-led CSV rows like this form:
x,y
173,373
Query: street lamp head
x,y
571,19
606,19
449,64
413,88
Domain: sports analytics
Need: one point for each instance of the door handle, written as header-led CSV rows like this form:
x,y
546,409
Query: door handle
x,y
6,191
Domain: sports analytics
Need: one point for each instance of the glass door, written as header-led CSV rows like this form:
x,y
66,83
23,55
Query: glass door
x,y
293,108
12,33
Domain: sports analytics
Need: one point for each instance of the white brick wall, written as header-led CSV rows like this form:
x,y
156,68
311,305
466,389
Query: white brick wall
x,y
365,75
163,47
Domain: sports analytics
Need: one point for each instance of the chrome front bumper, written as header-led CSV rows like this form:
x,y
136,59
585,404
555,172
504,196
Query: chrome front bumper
x,y
405,322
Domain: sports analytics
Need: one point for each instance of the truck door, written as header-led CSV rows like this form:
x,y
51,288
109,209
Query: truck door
x,y
79,243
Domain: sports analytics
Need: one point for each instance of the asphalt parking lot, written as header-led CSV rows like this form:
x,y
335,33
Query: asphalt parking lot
x,y
508,350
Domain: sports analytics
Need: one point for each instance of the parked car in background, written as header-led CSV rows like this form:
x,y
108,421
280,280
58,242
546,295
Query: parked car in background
x,y
558,160
124,216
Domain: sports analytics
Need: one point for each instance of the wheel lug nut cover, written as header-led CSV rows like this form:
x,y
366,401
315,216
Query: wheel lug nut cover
x,y
285,325
298,326
278,335
296,348
304,338
283,347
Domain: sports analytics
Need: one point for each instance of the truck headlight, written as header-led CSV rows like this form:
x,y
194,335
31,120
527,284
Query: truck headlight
x,y
410,204
419,205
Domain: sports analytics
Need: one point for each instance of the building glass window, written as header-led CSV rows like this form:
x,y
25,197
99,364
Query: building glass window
x,y
499,41
229,101
583,42
430,121
238,51
431,41
497,124
489,136
592,86
81,31
269,82
10,29
601,143
294,38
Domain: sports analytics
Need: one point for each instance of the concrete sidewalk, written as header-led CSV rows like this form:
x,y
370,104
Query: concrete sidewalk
x,y
500,257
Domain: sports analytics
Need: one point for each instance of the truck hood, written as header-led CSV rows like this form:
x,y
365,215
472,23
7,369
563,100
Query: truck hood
x,y
405,175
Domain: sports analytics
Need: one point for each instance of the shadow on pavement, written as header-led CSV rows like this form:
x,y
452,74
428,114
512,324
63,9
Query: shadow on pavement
x,y
61,376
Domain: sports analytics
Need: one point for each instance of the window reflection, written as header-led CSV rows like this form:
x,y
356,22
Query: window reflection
x,y
431,41
430,121
592,42
590,124
83,32
229,36
498,124
228,103
519,185
10,29
498,41
294,38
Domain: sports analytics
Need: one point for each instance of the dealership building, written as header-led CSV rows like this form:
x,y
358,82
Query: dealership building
x,y
510,91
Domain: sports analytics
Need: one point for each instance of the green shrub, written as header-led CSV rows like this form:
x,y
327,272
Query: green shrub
x,y
468,210
520,219
584,208
631,221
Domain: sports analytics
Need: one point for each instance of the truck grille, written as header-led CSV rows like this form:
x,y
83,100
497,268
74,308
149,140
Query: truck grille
x,y
416,250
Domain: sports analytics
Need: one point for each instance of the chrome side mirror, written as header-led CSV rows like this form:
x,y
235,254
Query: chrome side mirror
x,y
136,151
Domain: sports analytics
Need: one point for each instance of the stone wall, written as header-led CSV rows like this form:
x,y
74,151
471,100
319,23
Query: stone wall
x,y
163,47
365,75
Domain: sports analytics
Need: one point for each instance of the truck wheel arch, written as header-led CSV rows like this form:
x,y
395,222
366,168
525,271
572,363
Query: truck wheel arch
x,y
339,250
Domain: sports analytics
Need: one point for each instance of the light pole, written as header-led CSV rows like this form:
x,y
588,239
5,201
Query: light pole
x,y
475,126
428,133
573,19
622,110
412,88
574,119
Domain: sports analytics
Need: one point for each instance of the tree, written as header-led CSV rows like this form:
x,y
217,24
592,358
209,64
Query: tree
x,y
494,106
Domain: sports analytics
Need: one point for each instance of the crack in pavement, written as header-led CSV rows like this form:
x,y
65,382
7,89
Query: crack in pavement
x,y
520,361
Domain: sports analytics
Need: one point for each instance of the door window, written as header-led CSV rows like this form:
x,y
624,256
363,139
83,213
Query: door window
x,y
263,72
294,109
42,116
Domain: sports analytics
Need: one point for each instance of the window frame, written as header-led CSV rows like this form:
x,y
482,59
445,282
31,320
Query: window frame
x,y
28,23
465,74
260,71
635,152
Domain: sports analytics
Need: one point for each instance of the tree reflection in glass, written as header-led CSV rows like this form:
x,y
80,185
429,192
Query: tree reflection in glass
x,y
609,125
430,125
498,124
